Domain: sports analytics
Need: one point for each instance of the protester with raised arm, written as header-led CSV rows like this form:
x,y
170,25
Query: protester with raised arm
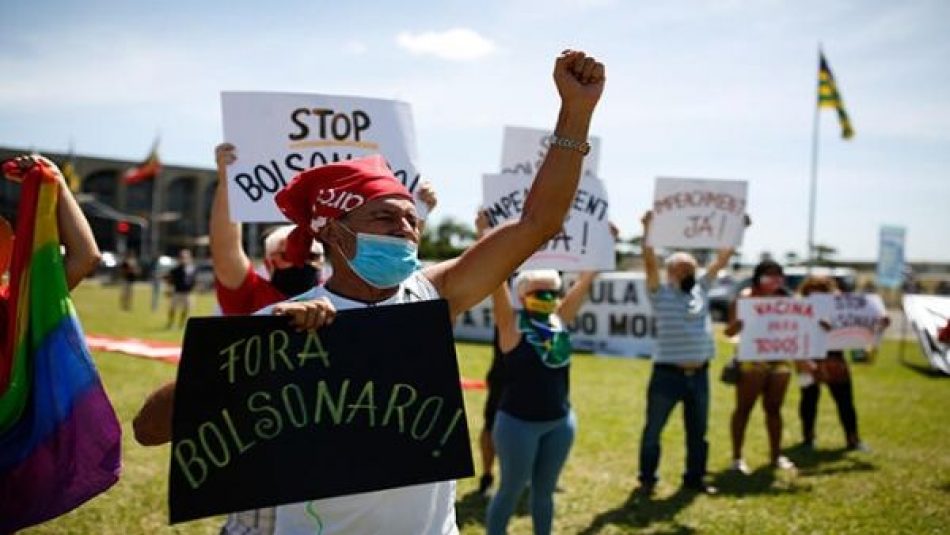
x,y
684,347
372,242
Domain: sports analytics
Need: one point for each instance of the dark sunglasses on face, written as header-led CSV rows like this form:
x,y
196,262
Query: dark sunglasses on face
x,y
545,295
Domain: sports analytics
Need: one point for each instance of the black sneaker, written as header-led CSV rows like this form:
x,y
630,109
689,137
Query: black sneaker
x,y
484,485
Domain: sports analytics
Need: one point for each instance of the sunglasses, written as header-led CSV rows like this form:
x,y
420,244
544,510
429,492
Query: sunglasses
x,y
545,295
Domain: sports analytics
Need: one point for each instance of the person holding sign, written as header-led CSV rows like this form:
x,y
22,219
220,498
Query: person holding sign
x,y
833,371
239,289
681,361
766,378
367,222
534,425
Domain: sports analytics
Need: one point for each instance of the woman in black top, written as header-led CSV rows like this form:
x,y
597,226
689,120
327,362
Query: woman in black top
x,y
833,371
534,427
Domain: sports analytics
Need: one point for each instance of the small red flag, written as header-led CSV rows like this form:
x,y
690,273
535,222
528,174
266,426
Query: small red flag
x,y
147,170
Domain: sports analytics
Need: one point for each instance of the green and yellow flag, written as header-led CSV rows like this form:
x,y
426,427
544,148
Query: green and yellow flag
x,y
828,96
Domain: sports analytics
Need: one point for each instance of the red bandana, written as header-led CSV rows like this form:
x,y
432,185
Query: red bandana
x,y
330,191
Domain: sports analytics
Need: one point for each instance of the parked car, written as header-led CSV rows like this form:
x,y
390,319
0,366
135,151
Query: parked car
x,y
723,292
108,267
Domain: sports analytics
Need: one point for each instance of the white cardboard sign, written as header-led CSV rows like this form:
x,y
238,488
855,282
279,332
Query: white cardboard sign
x,y
616,319
277,135
780,328
698,213
855,319
523,150
584,242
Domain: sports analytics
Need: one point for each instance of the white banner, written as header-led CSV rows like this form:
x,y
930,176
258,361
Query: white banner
x,y
698,213
584,242
617,318
855,319
277,135
928,315
780,328
523,150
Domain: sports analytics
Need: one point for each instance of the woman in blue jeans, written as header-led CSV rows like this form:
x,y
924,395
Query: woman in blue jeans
x,y
534,427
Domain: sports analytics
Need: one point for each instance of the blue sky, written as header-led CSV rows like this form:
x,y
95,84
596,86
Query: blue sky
x,y
717,89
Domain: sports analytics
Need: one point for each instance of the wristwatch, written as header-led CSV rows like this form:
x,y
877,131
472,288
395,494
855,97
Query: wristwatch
x,y
582,147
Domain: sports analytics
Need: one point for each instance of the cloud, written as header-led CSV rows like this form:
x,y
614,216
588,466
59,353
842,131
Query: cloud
x,y
457,44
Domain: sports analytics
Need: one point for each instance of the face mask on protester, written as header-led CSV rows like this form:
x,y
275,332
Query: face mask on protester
x,y
771,283
541,302
687,283
295,280
383,261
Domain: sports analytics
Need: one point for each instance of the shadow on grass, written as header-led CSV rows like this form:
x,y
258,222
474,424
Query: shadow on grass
x,y
640,511
945,487
470,509
827,462
764,480
926,371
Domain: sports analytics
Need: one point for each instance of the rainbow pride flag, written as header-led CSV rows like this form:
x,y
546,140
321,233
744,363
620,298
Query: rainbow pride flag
x,y
59,436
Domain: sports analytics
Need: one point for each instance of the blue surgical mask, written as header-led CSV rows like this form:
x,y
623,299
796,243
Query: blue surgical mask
x,y
383,261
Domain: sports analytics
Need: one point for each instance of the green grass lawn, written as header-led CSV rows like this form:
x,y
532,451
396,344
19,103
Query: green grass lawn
x,y
902,486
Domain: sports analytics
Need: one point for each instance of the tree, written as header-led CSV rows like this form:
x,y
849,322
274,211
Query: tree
x,y
823,254
447,240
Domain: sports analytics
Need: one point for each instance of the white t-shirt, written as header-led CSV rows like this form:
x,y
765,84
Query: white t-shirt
x,y
427,509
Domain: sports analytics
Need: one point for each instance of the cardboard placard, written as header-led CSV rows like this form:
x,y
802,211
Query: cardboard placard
x,y
523,150
616,319
277,135
855,319
780,328
265,415
698,213
584,242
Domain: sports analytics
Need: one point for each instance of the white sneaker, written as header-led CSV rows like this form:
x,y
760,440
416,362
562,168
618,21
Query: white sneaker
x,y
739,465
783,463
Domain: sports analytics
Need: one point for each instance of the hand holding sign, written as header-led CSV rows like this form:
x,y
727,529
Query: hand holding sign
x,y
426,200
224,155
265,416
307,315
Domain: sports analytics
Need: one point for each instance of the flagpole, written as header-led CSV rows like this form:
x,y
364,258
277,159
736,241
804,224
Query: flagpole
x,y
813,194
153,231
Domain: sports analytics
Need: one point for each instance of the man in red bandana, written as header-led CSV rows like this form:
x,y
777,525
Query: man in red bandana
x,y
368,225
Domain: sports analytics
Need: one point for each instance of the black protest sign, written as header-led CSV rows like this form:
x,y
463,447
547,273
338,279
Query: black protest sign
x,y
265,415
